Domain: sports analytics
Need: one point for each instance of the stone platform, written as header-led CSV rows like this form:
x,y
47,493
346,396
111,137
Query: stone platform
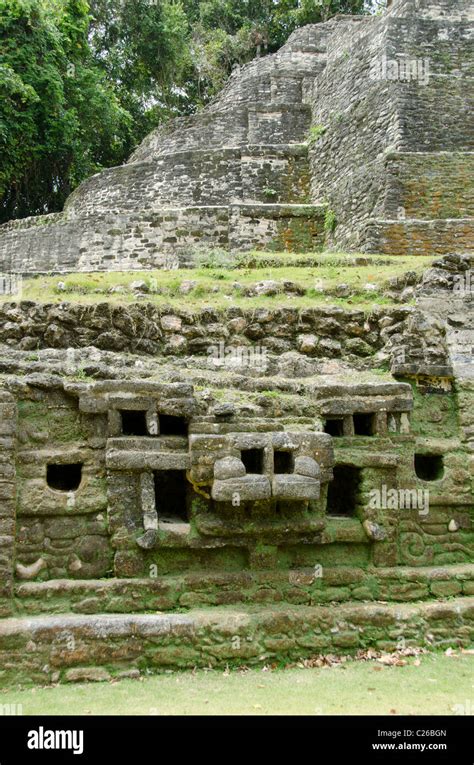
x,y
199,589
72,648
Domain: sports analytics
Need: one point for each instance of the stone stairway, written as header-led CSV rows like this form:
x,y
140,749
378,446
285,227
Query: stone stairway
x,y
78,647
205,588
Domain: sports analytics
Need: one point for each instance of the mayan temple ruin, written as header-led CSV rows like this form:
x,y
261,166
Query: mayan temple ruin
x,y
246,481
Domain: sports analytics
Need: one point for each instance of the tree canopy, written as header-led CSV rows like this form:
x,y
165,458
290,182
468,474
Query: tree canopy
x,y
82,83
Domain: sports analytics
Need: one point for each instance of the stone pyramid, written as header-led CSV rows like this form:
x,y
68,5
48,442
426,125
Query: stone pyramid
x,y
356,135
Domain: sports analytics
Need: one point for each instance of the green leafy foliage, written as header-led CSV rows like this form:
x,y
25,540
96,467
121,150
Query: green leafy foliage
x,y
330,221
315,133
60,120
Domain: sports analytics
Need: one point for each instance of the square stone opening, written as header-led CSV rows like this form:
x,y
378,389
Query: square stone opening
x,y
343,491
334,426
283,462
171,496
253,460
429,467
365,424
133,422
170,425
64,477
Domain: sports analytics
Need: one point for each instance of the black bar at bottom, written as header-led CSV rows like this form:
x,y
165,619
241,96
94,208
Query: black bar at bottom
x,y
102,739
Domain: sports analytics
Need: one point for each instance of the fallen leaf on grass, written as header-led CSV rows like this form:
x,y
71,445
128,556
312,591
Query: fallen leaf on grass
x,y
391,660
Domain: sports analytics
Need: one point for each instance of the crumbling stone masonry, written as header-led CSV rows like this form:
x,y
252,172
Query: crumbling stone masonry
x,y
165,511
161,508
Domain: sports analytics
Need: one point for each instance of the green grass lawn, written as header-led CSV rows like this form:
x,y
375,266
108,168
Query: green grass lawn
x,y
316,274
435,686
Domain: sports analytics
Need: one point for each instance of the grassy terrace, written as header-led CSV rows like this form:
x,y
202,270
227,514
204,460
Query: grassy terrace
x,y
223,280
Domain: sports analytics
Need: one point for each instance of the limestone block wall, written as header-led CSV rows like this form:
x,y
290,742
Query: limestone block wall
x,y
321,332
446,294
107,646
444,535
436,109
414,342
460,10
357,122
427,185
419,237
8,415
146,240
198,177
387,138
60,533
340,583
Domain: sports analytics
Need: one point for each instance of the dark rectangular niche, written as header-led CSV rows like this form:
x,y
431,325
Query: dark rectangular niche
x,y
343,490
282,462
335,427
364,424
171,496
133,422
429,467
170,425
253,460
64,477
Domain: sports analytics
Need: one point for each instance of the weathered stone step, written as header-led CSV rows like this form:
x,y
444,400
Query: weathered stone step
x,y
270,173
76,647
240,124
201,589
